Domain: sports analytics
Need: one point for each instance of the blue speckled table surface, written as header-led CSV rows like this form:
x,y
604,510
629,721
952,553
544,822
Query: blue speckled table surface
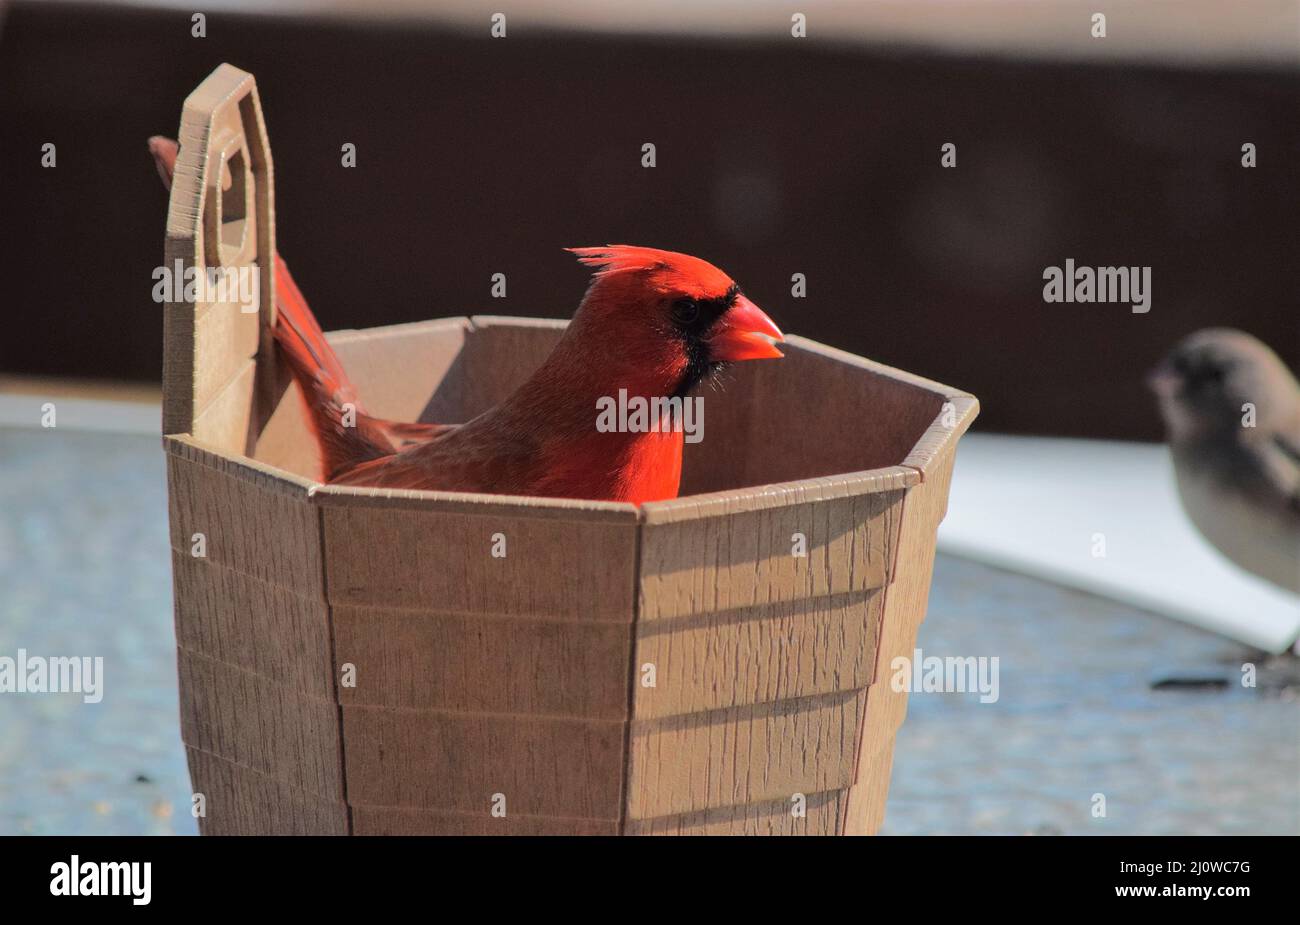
x,y
84,569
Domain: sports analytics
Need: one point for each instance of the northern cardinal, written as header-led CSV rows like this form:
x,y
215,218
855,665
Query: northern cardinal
x,y
1232,411
653,322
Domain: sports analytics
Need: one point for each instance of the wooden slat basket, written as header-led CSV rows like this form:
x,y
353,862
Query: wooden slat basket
x,y
357,661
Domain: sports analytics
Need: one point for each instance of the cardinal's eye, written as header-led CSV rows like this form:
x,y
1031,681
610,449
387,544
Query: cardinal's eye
x,y
686,311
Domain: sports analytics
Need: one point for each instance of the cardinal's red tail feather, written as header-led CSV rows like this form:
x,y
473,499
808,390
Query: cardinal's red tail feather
x,y
303,341
346,434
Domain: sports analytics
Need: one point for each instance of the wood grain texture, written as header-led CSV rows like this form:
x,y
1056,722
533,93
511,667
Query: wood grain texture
x,y
760,657
822,814
780,651
864,808
253,640
905,603
757,753
475,674
255,625
746,558
453,761
260,723
431,559
241,801
255,521
224,155
382,820
415,659
717,580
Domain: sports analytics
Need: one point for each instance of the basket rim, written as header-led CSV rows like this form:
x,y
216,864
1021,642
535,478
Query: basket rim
x,y
933,443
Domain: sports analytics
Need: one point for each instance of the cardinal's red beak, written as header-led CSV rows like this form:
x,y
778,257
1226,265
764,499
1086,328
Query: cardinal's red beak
x,y
745,333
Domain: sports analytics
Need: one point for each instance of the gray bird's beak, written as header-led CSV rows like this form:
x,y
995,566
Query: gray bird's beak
x,y
1164,381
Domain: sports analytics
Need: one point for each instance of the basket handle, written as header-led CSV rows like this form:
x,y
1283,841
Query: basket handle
x,y
220,228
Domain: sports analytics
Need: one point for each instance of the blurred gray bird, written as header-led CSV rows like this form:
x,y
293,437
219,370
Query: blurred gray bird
x,y
1232,412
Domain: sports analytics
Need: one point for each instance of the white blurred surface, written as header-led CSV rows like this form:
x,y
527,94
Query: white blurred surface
x,y
1034,505
1146,31
81,414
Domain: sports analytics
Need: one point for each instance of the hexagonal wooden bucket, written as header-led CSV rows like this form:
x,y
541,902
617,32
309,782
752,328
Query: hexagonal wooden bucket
x,y
358,661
